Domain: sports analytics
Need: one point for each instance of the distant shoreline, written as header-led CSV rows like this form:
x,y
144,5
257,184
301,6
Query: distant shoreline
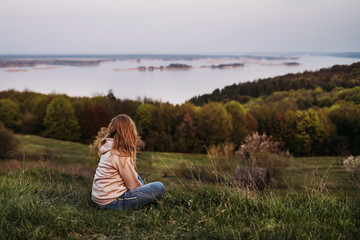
x,y
12,62
91,60
32,60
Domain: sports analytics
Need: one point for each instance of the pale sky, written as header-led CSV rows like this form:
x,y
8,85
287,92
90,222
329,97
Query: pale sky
x,y
178,26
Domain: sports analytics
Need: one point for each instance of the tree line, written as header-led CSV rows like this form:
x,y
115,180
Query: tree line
x,y
307,122
345,76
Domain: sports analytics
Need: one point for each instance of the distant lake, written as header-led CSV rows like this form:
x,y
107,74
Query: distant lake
x,y
175,86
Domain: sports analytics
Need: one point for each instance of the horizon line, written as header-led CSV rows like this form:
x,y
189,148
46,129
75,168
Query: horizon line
x,y
180,54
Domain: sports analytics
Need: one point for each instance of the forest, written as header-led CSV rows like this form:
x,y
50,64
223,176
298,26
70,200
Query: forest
x,y
309,114
326,78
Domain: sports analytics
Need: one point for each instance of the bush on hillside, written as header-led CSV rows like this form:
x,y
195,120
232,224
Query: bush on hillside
x,y
262,151
8,141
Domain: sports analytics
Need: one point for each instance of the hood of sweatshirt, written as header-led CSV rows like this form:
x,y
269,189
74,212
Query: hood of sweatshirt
x,y
107,146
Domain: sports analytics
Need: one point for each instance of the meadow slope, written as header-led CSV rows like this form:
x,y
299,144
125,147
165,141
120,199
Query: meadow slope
x,y
46,201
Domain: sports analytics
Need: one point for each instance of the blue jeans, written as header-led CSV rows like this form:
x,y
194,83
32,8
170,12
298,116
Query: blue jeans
x,y
137,197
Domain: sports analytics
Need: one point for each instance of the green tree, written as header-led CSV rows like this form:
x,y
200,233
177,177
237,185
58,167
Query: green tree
x,y
161,127
94,117
37,106
214,124
302,132
9,113
29,123
143,122
60,120
143,118
346,117
238,120
185,135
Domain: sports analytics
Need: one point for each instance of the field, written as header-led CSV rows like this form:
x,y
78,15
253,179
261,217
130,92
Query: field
x,y
45,194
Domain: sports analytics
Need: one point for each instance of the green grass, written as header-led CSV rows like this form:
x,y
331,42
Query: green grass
x,y
45,204
154,165
315,169
35,148
161,159
314,199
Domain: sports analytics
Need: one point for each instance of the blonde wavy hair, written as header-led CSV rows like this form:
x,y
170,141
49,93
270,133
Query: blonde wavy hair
x,y
123,130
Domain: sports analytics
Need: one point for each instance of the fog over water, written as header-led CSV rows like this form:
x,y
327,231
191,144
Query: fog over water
x,y
174,86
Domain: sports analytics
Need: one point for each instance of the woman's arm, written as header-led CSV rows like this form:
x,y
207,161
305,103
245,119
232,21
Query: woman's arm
x,y
127,172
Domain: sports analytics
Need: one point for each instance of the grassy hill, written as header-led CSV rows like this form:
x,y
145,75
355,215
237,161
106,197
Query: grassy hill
x,y
49,202
70,157
45,204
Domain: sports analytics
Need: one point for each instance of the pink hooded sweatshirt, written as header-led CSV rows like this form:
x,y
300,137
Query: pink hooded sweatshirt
x,y
114,175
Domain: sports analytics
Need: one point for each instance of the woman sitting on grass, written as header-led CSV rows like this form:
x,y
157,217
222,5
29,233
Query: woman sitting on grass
x,y
116,184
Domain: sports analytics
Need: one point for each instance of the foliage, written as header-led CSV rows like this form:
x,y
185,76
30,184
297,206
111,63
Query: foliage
x,y
303,132
8,141
340,76
94,118
29,123
215,124
9,113
60,120
238,122
346,117
349,95
185,133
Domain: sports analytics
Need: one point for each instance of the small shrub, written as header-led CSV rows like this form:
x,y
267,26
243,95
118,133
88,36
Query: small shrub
x,y
8,141
255,142
262,151
352,165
